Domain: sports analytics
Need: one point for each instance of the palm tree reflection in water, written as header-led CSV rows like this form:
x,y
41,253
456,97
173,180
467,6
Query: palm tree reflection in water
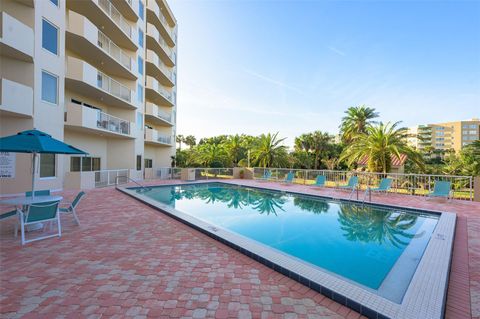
x,y
367,224
359,223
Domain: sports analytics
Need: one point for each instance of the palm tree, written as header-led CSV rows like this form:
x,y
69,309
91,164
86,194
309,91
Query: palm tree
x,y
319,143
234,148
269,152
180,139
190,140
211,154
356,121
379,145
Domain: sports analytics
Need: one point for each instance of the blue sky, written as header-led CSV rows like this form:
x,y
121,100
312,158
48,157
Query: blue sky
x,y
295,66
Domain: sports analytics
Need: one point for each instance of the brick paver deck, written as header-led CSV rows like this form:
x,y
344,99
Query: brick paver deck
x,y
129,260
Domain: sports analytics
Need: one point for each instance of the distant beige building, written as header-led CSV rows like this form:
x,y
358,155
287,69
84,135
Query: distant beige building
x,y
97,74
444,136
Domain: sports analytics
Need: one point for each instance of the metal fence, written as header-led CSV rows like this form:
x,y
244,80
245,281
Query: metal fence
x,y
110,176
412,184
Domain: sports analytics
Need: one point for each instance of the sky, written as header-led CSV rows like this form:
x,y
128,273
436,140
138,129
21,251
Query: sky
x,y
295,66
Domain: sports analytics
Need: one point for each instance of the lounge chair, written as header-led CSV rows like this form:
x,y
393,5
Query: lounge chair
x,y
319,181
70,209
441,189
40,213
45,192
352,183
289,178
267,175
383,187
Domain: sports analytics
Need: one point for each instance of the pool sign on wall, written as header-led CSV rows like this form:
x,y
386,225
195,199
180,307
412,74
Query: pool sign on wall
x,y
7,165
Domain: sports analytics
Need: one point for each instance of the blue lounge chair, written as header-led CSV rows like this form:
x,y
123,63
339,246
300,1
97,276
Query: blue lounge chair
x,y
320,181
383,187
70,209
267,175
441,189
352,183
289,178
40,213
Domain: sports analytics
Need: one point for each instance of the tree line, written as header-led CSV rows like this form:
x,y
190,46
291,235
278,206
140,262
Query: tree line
x,y
361,138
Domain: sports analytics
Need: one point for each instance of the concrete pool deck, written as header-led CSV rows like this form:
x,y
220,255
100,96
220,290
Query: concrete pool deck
x,y
128,260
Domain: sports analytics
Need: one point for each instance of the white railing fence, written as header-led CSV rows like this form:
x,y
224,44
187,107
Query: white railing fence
x,y
116,16
113,87
113,50
413,184
113,124
110,176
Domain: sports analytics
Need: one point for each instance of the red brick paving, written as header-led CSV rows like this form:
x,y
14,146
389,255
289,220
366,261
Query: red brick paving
x,y
128,260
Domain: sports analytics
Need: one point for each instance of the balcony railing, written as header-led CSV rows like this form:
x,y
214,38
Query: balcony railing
x,y
113,124
164,139
113,87
153,32
153,57
116,16
114,51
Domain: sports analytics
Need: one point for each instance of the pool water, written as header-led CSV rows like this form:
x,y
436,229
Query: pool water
x,y
361,243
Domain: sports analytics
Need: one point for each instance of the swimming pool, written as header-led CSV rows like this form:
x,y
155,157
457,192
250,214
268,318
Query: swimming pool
x,y
375,248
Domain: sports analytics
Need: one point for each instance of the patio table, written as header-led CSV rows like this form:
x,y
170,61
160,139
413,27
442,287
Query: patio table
x,y
21,201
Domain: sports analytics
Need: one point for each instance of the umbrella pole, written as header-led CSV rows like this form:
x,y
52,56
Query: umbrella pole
x,y
33,173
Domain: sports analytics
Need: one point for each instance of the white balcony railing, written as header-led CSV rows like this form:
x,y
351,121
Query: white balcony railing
x,y
116,16
113,50
113,124
165,139
156,86
153,32
153,58
172,32
113,87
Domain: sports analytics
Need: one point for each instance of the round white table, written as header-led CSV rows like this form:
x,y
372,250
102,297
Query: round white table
x,y
19,202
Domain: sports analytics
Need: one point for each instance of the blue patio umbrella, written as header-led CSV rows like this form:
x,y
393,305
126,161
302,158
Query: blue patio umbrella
x,y
36,142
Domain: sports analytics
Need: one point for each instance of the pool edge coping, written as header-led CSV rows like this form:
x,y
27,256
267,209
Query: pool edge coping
x,y
421,300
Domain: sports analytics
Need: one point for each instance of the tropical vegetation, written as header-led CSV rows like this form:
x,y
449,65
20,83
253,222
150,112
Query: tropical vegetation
x,y
361,139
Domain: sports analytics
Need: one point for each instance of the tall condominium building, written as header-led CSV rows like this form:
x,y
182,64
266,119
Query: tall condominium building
x,y
444,136
97,74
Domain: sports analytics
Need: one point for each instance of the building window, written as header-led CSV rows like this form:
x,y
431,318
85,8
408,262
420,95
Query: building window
x,y
140,38
139,162
47,165
49,37
140,65
84,164
140,93
140,9
49,87
148,163
55,2
140,120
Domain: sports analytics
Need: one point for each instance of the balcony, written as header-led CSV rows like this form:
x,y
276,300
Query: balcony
x,y
15,99
127,10
154,115
90,120
84,38
83,78
157,43
16,38
156,68
153,137
157,93
103,14
156,17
